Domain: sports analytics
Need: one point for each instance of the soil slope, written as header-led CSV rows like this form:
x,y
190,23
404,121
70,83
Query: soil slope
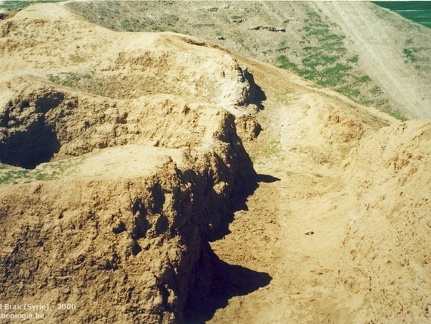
x,y
127,158
368,53
111,189
340,217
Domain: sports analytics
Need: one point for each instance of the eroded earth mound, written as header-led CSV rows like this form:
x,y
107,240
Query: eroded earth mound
x,y
109,199
158,178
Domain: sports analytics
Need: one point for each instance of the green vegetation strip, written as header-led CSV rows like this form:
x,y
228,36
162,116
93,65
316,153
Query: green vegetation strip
x,y
324,60
45,172
323,52
82,81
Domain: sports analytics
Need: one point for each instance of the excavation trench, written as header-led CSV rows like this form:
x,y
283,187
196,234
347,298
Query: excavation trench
x,y
147,181
27,137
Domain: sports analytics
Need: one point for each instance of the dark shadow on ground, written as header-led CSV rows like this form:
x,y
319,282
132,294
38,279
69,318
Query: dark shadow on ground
x,y
255,93
227,281
266,178
27,149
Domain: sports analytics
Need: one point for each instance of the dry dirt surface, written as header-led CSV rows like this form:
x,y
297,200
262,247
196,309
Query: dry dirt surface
x,y
370,54
405,79
158,178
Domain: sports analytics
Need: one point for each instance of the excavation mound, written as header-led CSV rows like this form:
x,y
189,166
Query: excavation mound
x,y
120,162
158,178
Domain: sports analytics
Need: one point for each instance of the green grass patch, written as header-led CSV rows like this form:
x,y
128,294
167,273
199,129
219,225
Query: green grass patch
x,y
337,46
317,31
322,60
376,90
12,176
365,101
348,90
353,59
362,79
282,46
408,41
45,172
409,54
330,38
334,75
82,81
285,63
128,24
68,78
319,59
395,114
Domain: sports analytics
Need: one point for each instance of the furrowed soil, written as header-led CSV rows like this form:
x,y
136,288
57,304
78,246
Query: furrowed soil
x,y
159,178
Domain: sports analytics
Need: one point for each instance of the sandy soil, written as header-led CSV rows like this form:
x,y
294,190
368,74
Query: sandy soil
x,y
337,230
299,228
374,40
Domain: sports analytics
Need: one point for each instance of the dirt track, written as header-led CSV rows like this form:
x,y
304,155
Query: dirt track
x,y
303,189
298,192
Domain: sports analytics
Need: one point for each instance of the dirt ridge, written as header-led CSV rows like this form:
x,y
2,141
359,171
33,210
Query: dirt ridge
x,y
226,190
110,199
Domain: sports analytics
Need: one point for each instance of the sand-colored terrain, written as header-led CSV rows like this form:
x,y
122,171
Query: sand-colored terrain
x,y
339,171
113,183
368,53
158,178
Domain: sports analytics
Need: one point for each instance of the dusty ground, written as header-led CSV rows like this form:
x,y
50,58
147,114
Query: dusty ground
x,y
350,269
117,169
386,55
336,231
